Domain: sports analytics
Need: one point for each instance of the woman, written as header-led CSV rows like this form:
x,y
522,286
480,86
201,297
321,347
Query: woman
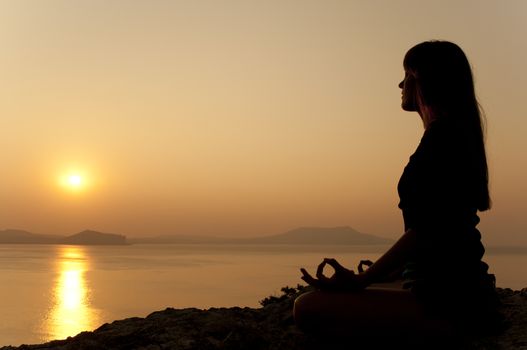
x,y
444,285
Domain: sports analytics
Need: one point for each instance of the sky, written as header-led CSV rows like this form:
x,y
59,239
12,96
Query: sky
x,y
239,118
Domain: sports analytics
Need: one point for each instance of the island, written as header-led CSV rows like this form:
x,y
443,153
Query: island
x,y
314,236
86,237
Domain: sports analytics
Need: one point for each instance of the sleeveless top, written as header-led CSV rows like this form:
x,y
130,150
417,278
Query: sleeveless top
x,y
438,199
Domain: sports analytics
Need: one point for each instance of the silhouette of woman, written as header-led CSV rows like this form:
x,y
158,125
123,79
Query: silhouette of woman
x,y
443,285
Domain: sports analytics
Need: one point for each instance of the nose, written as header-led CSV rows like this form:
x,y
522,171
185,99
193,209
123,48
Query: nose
x,y
401,84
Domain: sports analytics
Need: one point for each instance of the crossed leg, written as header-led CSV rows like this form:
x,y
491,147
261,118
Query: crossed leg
x,y
381,311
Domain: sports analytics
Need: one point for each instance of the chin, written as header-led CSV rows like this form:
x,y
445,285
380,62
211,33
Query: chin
x,y
408,107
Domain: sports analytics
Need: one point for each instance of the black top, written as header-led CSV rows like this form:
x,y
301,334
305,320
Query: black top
x,y
438,198
437,188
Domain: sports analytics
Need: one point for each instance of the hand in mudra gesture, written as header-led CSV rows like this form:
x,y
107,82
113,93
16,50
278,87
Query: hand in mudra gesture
x,y
342,280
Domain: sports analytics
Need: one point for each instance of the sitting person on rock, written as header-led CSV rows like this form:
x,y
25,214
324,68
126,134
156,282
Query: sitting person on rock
x,y
443,284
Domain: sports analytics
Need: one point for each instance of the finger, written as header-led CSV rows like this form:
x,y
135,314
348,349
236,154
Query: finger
x,y
335,264
320,271
306,274
364,262
309,279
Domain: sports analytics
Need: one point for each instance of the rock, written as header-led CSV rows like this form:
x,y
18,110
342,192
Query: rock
x,y
514,309
269,327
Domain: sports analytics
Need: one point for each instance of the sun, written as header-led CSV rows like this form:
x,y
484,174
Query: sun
x,y
75,180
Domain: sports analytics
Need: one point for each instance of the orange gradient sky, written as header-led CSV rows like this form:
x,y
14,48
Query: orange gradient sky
x,y
239,117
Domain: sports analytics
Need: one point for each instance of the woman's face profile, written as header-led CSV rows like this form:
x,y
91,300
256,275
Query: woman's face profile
x,y
409,100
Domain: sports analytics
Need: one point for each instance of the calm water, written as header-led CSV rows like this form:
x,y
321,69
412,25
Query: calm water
x,y
51,292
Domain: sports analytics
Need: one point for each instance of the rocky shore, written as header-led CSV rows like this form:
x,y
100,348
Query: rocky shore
x,y
268,327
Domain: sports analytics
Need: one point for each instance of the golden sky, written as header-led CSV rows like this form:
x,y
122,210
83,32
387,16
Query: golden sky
x,y
239,117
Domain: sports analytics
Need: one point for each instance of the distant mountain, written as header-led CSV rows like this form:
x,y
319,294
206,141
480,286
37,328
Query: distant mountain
x,y
321,236
182,239
12,236
87,237
304,235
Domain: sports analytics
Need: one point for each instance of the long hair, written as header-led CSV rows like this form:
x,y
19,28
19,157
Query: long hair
x,y
444,84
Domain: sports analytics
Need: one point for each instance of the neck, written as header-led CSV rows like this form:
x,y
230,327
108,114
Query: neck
x,y
425,112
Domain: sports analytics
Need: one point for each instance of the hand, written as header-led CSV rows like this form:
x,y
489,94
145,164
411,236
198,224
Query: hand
x,y
342,280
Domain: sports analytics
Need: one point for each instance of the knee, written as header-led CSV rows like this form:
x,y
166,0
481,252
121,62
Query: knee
x,y
303,310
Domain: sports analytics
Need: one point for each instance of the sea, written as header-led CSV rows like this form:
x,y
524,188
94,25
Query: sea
x,y
54,291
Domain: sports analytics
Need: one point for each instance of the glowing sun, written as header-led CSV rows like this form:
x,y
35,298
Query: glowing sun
x,y
75,180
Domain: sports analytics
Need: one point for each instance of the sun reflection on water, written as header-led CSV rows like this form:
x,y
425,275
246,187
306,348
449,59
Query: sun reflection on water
x,y
71,311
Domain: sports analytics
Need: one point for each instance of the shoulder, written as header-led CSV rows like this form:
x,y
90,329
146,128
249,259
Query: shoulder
x,y
443,147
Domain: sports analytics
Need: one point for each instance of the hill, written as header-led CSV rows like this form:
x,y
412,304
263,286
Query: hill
x,y
87,237
321,236
342,235
305,235
12,236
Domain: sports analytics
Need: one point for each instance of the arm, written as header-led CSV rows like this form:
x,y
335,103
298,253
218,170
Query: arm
x,y
344,279
402,251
